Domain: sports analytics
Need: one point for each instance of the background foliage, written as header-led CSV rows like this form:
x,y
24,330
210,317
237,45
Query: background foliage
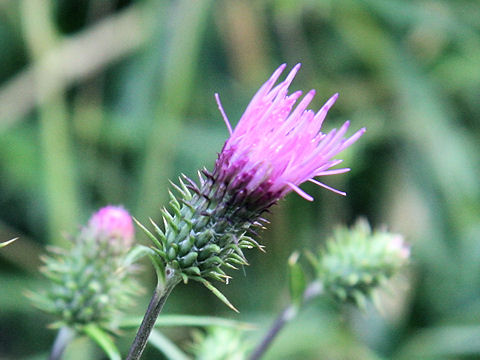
x,y
102,101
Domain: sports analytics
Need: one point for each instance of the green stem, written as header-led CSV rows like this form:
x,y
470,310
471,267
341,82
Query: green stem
x,y
288,314
64,337
160,295
285,316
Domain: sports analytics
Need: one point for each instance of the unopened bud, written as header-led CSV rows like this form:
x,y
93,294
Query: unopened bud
x,y
90,282
113,222
357,260
219,343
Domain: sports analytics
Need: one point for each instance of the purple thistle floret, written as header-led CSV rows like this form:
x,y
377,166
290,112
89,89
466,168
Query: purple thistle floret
x,y
275,148
272,151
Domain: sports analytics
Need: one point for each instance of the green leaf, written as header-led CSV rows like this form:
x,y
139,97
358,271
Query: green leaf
x,y
103,340
149,234
168,348
136,253
7,243
296,275
159,268
312,258
216,292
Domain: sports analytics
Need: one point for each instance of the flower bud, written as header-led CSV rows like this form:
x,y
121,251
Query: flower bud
x,y
398,246
219,343
90,282
355,261
115,223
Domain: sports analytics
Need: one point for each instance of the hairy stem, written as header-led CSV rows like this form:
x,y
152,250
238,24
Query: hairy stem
x,y
64,337
160,295
289,313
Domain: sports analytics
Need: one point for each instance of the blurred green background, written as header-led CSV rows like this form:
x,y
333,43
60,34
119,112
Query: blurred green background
x,y
103,101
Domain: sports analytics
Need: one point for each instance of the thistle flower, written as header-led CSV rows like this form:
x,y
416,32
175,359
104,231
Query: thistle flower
x,y
90,282
272,151
356,261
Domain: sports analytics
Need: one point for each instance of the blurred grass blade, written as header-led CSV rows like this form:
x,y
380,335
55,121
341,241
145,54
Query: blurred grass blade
x,y
76,58
59,176
176,88
188,320
168,348
103,340
450,341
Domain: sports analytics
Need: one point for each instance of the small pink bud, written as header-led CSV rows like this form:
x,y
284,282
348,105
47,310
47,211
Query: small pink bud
x,y
115,222
397,244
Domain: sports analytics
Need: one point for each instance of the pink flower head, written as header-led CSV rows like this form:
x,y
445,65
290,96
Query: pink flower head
x,y
113,222
275,148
